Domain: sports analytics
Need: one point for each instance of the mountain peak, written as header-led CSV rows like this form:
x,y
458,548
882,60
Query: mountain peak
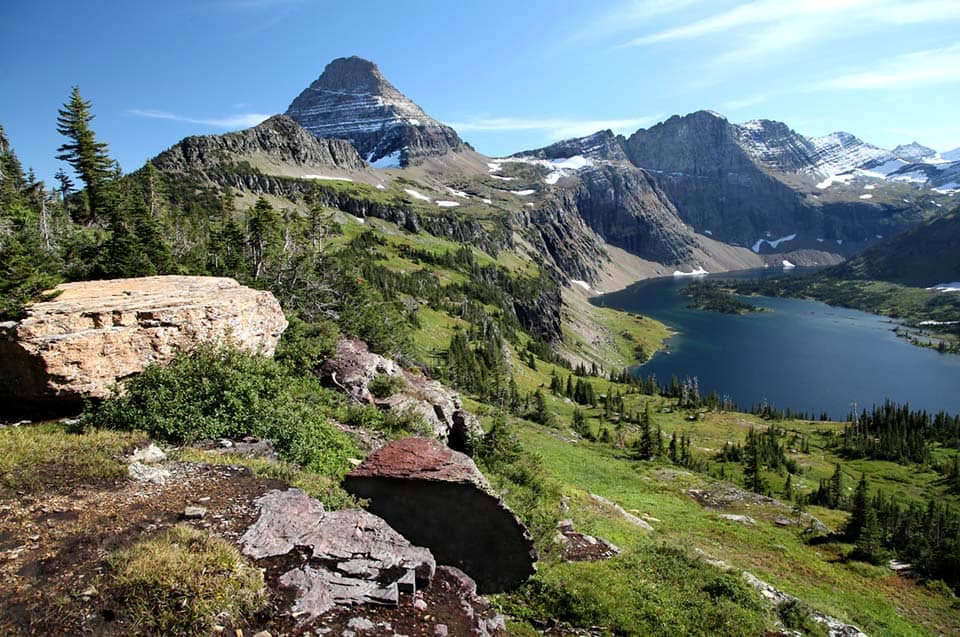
x,y
352,100
356,73
913,152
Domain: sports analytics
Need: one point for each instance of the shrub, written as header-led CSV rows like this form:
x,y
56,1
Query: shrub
x,y
384,385
226,393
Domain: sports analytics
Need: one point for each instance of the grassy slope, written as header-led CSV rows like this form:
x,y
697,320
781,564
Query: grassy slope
x,y
650,587
873,598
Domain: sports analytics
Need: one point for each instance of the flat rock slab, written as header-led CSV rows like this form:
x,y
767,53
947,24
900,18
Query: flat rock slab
x,y
341,557
95,333
436,497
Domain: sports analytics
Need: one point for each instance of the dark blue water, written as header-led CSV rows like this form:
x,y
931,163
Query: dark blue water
x,y
804,355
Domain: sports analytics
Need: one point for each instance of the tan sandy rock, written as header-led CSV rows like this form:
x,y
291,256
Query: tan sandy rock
x,y
97,332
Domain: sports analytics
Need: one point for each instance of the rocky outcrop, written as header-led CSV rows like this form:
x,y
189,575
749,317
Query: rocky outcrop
x,y
279,140
361,373
352,100
338,557
754,181
580,547
602,145
438,498
98,332
625,206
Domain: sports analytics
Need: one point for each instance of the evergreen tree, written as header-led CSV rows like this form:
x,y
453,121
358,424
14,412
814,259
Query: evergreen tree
x,y
84,153
263,235
541,413
752,464
645,449
836,488
861,503
788,488
869,540
579,423
673,448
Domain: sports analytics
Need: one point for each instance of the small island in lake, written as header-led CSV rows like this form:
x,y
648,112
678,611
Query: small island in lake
x,y
714,297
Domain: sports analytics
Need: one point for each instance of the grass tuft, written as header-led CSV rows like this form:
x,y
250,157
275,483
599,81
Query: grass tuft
x,y
183,582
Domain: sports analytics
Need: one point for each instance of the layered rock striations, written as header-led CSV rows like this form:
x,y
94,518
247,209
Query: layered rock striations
x,y
437,498
339,557
352,100
95,333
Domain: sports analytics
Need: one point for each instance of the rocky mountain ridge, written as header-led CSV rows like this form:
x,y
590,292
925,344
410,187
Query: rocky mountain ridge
x,y
352,100
279,141
666,194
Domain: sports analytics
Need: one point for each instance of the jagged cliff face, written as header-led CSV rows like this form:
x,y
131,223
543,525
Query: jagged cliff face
x,y
352,100
278,140
745,183
626,207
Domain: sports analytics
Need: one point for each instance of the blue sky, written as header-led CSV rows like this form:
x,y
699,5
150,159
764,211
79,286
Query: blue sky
x,y
507,75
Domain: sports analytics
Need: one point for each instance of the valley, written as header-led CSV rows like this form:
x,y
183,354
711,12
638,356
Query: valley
x,y
514,308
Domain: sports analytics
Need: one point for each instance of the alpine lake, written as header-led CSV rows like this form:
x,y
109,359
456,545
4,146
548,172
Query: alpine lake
x,y
798,354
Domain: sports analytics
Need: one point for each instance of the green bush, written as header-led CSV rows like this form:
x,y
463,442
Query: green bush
x,y
225,393
304,346
796,615
384,385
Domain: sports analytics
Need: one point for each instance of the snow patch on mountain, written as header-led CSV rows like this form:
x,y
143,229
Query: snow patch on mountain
x,y
772,243
325,177
841,152
387,161
416,195
698,271
953,286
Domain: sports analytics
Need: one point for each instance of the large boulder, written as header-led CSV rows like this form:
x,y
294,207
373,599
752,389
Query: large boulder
x,y
437,498
355,369
97,332
333,558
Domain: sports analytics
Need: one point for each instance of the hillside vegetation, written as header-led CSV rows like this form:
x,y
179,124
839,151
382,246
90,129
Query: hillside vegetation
x,y
811,508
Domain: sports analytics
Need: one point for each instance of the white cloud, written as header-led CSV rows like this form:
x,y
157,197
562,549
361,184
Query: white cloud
x,y
764,27
630,15
240,120
745,102
933,66
555,128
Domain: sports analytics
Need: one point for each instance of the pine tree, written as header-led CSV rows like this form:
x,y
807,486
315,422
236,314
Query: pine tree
x,y
263,235
541,412
753,464
673,448
645,450
836,488
788,488
861,503
84,153
579,423
869,541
